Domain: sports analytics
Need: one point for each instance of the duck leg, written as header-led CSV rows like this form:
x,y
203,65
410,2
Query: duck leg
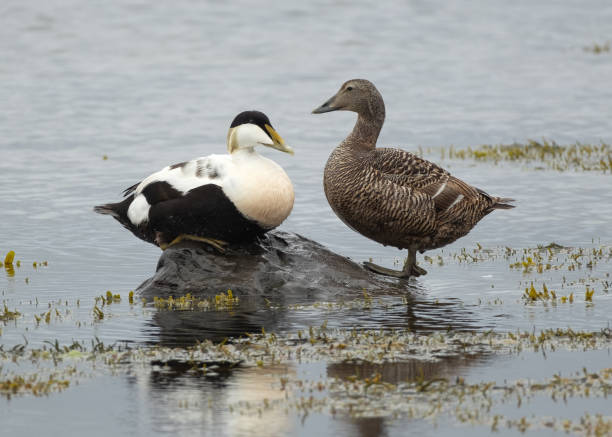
x,y
217,244
410,267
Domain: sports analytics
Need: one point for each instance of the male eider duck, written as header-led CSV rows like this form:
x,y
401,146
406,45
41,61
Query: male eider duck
x,y
217,199
392,196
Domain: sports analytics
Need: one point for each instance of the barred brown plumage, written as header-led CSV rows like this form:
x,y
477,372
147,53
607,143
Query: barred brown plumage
x,y
392,196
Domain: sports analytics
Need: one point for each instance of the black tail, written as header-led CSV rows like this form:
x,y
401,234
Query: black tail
x,y
109,208
119,212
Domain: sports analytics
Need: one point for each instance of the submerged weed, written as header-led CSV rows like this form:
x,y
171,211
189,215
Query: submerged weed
x,y
584,157
8,315
222,301
10,256
598,48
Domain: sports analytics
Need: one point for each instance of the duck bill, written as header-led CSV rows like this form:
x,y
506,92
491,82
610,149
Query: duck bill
x,y
328,106
277,141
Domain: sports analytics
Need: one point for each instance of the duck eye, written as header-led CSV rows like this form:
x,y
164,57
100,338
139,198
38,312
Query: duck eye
x,y
349,88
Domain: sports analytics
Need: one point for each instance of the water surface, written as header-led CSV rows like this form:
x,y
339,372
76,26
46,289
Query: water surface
x,y
95,98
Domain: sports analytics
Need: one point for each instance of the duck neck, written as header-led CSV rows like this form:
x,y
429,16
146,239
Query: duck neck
x,y
244,153
368,126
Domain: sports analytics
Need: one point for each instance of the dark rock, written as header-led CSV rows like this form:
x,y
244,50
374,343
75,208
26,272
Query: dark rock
x,y
278,265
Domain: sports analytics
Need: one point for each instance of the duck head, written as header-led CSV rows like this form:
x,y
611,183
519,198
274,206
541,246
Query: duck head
x,y
357,95
253,128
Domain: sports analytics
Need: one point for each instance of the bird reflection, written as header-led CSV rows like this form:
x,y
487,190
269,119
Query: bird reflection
x,y
190,402
406,371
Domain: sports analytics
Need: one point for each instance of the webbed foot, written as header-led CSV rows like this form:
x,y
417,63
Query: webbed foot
x,y
414,270
217,244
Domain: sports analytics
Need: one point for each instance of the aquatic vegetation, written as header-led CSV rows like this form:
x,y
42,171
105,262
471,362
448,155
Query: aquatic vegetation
x,y
588,295
112,298
330,345
568,268
222,301
365,394
598,48
10,264
10,256
98,313
7,315
33,384
532,294
473,404
543,277
540,154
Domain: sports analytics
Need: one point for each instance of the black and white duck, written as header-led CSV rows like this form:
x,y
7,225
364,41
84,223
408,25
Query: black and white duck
x,y
216,199
392,196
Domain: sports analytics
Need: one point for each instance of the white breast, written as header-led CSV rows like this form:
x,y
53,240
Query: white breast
x,y
259,188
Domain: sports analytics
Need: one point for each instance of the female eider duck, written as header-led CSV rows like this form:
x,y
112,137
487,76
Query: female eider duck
x,y
217,199
392,196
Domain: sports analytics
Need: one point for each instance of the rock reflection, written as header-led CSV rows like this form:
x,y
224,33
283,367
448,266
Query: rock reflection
x,y
253,314
185,328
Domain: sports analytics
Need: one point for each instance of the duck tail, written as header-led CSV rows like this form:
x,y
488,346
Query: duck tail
x,y
117,210
109,209
502,203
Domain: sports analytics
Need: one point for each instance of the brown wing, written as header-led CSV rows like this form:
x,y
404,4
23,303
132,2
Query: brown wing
x,y
407,169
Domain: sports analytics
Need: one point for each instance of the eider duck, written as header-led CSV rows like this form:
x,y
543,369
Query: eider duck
x,y
392,196
217,199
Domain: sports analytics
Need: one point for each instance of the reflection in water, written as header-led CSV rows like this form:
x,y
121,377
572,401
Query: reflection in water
x,y
184,328
184,399
405,371
10,270
257,386
286,282
395,373
174,386
366,427
413,311
223,399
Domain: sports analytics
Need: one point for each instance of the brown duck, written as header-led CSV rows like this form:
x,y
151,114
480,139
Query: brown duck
x,y
392,196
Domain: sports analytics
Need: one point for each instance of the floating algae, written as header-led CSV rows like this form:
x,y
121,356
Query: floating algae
x,y
540,154
361,390
598,48
7,315
221,301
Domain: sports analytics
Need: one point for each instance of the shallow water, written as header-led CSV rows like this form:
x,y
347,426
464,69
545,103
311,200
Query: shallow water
x,y
147,85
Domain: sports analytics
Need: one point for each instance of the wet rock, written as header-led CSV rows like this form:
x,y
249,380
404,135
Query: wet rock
x,y
279,265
